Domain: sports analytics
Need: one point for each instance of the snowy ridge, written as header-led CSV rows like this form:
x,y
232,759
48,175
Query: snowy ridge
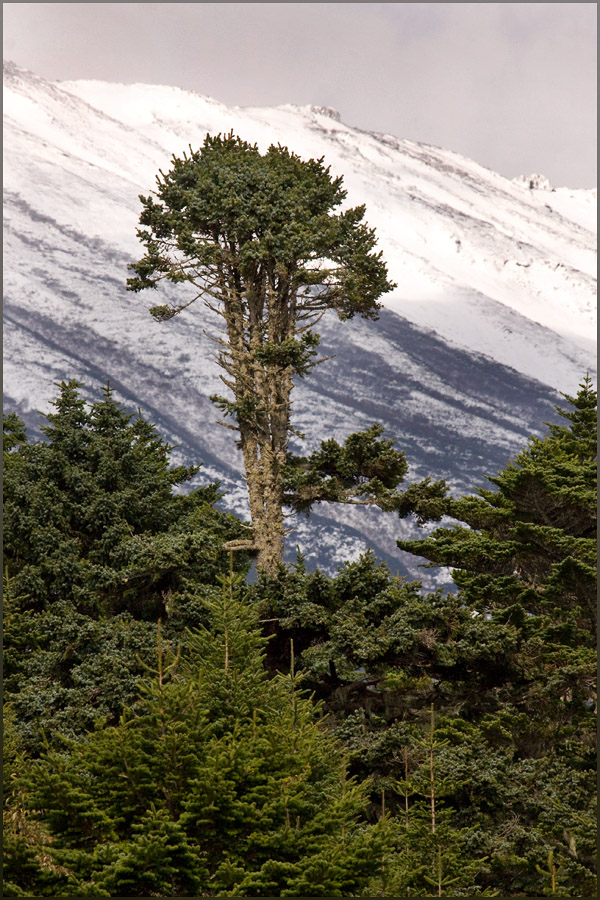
x,y
494,310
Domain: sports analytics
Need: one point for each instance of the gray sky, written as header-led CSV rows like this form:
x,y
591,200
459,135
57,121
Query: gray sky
x,y
510,85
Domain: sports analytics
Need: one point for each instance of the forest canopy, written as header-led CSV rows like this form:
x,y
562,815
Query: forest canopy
x,y
171,730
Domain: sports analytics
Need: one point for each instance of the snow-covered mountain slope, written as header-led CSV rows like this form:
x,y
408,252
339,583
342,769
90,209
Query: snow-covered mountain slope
x,y
493,314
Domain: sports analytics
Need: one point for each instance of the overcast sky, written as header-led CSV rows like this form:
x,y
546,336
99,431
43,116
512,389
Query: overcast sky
x,y
510,85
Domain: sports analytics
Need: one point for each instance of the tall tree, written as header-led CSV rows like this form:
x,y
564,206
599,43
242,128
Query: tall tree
x,y
528,555
259,238
526,562
97,547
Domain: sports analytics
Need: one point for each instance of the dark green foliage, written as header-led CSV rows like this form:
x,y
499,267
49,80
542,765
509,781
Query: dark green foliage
x,y
13,433
456,756
435,855
531,542
24,875
27,869
365,470
528,558
97,547
508,662
228,203
527,561
378,650
89,514
221,783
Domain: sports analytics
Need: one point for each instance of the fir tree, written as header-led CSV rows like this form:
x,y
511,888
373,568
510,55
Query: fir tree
x,y
528,558
28,870
222,782
527,564
507,660
97,547
434,857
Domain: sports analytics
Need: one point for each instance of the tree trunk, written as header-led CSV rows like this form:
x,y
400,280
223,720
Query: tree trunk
x,y
263,433
265,496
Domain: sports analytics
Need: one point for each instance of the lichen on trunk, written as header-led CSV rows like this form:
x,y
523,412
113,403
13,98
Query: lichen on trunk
x,y
259,238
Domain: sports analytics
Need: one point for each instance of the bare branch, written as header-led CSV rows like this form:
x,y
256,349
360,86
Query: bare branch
x,y
227,425
239,545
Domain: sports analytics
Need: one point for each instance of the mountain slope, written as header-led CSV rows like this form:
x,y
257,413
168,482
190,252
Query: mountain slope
x,y
494,310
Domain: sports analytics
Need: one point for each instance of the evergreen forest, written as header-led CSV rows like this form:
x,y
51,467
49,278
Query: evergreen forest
x,y
172,730
176,728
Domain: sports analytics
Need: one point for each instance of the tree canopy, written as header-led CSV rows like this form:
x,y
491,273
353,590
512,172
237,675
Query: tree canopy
x,y
306,735
97,548
508,663
219,783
